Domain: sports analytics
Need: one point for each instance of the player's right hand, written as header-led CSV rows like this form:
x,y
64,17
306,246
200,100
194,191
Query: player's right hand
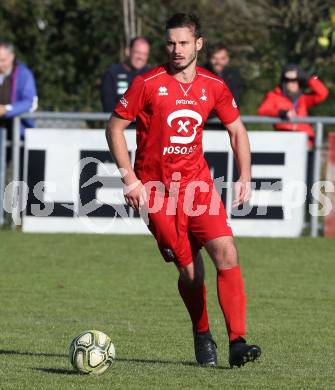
x,y
242,192
135,194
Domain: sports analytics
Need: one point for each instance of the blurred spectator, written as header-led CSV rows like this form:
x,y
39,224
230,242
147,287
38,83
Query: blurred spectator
x,y
290,100
17,89
117,78
218,63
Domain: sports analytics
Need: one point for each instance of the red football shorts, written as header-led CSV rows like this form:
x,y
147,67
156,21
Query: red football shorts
x,y
183,223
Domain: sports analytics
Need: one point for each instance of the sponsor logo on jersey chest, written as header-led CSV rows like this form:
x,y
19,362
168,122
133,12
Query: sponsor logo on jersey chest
x,y
186,101
184,126
185,123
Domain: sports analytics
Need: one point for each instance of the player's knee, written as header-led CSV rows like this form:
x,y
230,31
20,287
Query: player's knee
x,y
227,257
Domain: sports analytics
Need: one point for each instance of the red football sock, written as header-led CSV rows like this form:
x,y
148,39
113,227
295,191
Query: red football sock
x,y
232,300
195,302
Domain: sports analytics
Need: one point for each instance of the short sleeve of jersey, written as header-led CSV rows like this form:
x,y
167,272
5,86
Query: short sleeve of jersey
x,y
226,107
133,101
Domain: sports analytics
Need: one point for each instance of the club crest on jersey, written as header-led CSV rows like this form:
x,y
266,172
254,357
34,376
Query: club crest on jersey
x,y
162,91
184,126
203,97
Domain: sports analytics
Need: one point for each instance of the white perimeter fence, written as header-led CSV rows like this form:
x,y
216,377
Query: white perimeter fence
x,y
53,117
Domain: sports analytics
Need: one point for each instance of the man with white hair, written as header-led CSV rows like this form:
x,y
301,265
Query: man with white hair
x,y
17,89
118,77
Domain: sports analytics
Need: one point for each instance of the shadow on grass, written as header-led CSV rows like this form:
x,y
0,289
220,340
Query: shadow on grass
x,y
25,353
118,359
159,361
132,360
59,371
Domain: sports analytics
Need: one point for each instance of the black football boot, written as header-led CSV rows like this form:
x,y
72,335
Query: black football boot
x,y
240,352
205,349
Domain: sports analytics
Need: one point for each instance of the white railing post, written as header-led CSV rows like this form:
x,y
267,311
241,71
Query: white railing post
x,y
16,169
316,176
3,170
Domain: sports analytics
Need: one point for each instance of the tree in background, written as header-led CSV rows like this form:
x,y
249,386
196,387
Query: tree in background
x,y
262,36
70,43
295,27
327,27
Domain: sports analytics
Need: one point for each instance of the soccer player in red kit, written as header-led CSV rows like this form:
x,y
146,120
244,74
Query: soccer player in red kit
x,y
171,104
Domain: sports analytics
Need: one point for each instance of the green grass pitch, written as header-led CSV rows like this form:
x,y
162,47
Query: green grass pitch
x,y
53,287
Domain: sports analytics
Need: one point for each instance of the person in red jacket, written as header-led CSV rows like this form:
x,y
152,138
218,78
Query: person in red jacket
x,y
289,100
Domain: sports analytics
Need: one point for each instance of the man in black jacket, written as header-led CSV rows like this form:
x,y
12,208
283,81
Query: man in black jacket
x,y
218,63
118,77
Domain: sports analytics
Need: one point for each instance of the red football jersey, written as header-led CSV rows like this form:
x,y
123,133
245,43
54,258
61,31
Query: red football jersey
x,y
170,116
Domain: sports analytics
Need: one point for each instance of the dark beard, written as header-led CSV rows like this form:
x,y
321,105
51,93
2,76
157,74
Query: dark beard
x,y
182,67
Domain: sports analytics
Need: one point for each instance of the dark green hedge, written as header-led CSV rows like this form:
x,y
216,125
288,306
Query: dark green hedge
x,y
69,43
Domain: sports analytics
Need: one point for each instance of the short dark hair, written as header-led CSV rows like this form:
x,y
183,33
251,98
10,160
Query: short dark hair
x,y
8,45
185,20
214,48
134,40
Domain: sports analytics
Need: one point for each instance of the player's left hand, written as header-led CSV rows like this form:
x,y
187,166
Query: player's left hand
x,y
135,195
242,192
